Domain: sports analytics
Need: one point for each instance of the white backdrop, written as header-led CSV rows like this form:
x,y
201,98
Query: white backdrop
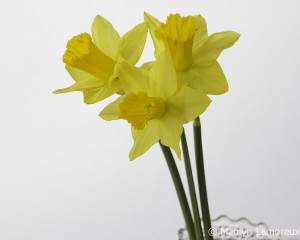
x,y
65,172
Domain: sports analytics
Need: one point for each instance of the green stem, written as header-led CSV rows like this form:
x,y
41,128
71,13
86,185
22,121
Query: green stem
x,y
189,174
180,191
201,178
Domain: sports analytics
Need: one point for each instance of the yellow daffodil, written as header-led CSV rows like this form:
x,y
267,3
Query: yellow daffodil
x,y
91,61
154,106
193,52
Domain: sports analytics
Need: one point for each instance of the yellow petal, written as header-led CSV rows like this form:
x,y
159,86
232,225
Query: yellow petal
x,y
184,78
163,81
195,104
188,103
105,91
111,111
105,37
148,65
133,79
170,130
143,139
153,24
210,50
79,75
201,34
209,79
80,86
133,42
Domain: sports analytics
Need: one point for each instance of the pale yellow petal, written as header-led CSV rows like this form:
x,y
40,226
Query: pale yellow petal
x,y
153,24
106,37
163,81
111,111
170,130
79,75
105,91
133,42
133,79
147,65
191,102
210,50
143,139
201,33
80,86
209,79
195,104
184,78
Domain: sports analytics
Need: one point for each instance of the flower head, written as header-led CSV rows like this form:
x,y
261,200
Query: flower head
x,y
91,60
154,105
193,51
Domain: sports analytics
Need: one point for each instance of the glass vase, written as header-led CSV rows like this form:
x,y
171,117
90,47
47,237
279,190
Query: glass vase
x,y
225,228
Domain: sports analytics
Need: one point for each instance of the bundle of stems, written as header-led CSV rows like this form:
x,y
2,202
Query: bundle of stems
x,y
192,220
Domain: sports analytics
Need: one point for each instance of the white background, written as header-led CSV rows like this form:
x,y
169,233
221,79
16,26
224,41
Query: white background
x,y
65,172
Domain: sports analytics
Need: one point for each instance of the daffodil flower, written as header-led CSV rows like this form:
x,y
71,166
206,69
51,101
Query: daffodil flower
x,y
154,106
193,52
91,60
